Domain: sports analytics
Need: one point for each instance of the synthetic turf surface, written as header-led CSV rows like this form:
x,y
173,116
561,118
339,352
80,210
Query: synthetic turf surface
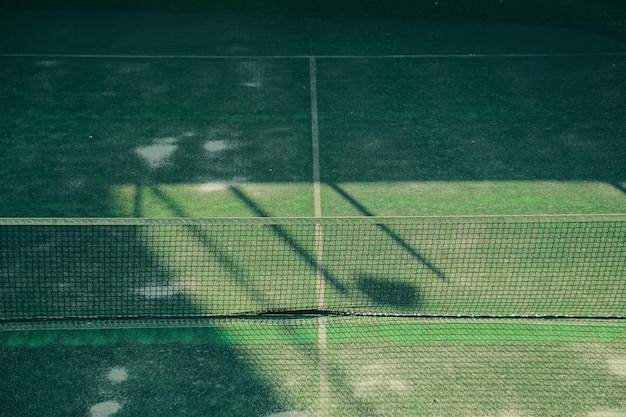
x,y
455,134
375,366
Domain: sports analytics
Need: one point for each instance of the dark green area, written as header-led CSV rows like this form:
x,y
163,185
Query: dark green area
x,y
225,368
252,331
564,12
64,149
190,380
373,366
313,28
71,272
493,119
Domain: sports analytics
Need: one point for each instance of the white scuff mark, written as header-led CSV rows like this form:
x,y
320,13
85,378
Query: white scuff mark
x,y
105,409
208,187
376,379
617,366
158,291
117,375
607,413
157,154
215,145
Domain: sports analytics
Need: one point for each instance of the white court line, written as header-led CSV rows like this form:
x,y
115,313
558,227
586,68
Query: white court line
x,y
309,57
317,195
315,138
322,343
323,364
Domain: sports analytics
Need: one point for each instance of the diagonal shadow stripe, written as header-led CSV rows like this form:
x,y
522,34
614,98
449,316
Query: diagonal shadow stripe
x,y
227,261
619,186
280,232
414,253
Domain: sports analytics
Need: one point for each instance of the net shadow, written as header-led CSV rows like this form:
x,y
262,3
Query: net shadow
x,y
235,269
619,186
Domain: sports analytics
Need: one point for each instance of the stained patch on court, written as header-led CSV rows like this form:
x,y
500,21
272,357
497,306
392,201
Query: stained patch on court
x,y
618,366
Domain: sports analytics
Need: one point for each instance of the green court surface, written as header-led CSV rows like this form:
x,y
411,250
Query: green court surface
x,y
183,110
137,139
436,136
491,135
381,367
556,267
127,113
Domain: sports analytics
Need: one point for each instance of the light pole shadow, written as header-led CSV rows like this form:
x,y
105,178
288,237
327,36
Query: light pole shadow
x,y
393,235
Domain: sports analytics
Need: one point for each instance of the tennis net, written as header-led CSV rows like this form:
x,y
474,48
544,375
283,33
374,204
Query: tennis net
x,y
519,266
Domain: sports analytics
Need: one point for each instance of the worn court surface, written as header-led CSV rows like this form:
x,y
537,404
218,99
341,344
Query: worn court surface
x,y
374,367
156,114
153,114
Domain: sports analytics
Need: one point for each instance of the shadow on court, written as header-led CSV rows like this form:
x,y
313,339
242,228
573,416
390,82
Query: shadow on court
x,y
498,119
383,293
239,120
101,272
390,233
55,272
231,255
280,232
140,122
394,294
619,186
101,373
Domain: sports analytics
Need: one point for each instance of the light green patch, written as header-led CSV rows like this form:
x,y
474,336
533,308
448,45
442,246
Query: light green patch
x,y
607,413
212,199
618,366
452,379
435,198
473,268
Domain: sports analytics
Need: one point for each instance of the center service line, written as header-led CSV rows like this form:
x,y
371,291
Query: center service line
x,y
322,343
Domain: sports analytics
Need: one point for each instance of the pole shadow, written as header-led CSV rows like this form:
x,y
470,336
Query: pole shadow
x,y
394,236
218,253
109,272
280,232
339,381
619,186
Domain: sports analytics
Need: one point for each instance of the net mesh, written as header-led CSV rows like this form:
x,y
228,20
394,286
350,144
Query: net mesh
x,y
482,316
448,267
